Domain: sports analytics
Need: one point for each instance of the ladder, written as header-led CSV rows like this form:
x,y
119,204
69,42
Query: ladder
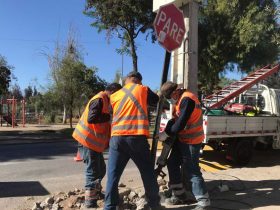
x,y
219,98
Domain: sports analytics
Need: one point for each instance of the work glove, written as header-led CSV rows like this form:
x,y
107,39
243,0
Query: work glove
x,y
169,124
159,94
162,136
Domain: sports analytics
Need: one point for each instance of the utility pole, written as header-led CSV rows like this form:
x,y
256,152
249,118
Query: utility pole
x,y
122,59
185,59
190,78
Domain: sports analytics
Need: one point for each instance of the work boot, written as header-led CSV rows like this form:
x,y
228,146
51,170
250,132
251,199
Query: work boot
x,y
179,195
91,197
91,204
101,195
159,207
198,207
177,200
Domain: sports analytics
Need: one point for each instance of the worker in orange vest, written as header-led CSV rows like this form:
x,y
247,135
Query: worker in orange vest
x,y
93,134
130,129
187,125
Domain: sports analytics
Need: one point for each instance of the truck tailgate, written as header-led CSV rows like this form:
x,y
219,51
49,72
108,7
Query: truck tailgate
x,y
231,126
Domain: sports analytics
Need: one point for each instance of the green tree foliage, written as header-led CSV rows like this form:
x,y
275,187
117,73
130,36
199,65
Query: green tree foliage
x,y
273,81
126,18
33,99
242,32
35,92
224,82
16,92
77,81
73,82
28,92
49,104
92,83
5,75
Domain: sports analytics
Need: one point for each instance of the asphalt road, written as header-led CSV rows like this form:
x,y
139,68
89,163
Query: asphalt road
x,y
30,170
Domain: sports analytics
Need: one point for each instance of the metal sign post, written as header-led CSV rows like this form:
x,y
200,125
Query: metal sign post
x,y
170,29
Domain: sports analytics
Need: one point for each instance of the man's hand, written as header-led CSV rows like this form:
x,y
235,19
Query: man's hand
x,y
162,136
170,123
159,94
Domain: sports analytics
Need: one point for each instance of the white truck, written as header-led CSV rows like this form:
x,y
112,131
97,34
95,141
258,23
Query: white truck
x,y
241,116
239,134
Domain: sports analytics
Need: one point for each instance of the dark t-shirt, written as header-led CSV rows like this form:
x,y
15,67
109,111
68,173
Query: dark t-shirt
x,y
186,109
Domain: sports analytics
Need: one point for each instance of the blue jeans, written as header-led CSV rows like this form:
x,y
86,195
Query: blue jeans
x,y
95,167
122,148
187,155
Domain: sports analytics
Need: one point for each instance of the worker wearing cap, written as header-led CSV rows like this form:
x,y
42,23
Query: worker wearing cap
x,y
130,129
93,134
187,126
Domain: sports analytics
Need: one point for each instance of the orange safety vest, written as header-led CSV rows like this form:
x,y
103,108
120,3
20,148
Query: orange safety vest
x,y
130,114
94,136
193,131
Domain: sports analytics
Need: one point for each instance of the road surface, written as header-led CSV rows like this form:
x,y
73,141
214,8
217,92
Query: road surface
x,y
31,170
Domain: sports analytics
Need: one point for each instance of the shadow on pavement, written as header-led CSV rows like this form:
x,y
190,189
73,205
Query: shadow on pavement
x,y
17,189
244,194
42,144
40,151
265,158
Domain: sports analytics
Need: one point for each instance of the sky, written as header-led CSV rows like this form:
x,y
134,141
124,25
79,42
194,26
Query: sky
x,y
30,28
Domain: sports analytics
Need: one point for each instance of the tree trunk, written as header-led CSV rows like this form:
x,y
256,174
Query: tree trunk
x,y
133,54
64,115
71,116
71,111
80,112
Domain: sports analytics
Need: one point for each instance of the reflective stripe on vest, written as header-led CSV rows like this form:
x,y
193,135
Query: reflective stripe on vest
x,y
87,138
136,103
194,125
130,127
123,118
188,136
93,132
193,131
94,136
122,103
135,121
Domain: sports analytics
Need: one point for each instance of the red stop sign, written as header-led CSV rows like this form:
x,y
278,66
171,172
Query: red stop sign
x,y
170,27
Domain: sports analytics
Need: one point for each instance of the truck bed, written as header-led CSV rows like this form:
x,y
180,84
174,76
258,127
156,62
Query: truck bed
x,y
238,126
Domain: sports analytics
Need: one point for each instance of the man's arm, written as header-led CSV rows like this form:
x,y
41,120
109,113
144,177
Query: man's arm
x,y
186,109
95,114
152,98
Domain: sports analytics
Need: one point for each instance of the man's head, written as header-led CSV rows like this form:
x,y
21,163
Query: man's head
x,y
113,87
171,91
134,77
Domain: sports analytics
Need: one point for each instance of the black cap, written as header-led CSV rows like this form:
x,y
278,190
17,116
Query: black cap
x,y
113,87
167,89
135,74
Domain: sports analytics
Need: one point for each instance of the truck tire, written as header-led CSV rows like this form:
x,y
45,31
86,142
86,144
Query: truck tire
x,y
261,146
242,152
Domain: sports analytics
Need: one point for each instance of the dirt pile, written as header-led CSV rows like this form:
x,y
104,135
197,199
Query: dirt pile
x,y
130,199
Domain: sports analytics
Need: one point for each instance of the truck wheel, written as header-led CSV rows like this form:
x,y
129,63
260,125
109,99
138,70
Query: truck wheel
x,y
261,146
242,152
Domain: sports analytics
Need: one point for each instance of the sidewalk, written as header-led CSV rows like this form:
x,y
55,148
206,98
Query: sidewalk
x,y
33,133
35,127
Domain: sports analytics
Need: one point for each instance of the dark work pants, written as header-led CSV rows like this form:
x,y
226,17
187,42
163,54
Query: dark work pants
x,y
95,168
122,148
187,155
